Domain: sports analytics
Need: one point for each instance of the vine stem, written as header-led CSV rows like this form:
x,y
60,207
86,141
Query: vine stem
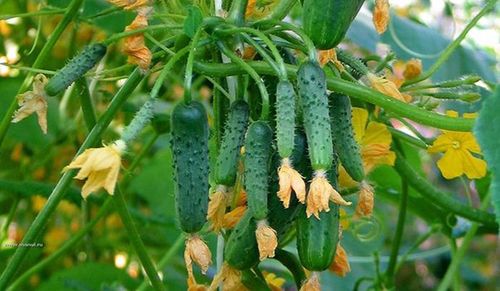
x,y
71,12
460,253
348,88
64,182
281,10
454,45
8,220
35,13
136,241
188,77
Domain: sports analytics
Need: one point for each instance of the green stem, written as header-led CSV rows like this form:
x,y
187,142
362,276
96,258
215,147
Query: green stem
x,y
8,220
35,13
442,199
136,241
398,236
407,138
263,53
249,70
291,262
172,251
281,10
71,12
118,36
454,45
188,77
65,181
237,11
68,245
86,103
460,253
415,245
352,61
348,88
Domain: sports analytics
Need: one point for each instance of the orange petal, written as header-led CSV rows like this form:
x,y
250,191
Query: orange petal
x,y
381,15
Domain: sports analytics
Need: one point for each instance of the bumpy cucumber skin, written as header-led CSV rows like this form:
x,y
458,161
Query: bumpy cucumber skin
x,y
285,118
317,239
232,141
75,68
314,102
241,251
326,21
191,164
343,136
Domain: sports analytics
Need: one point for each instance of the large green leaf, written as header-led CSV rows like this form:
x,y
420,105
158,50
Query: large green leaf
x,y
487,131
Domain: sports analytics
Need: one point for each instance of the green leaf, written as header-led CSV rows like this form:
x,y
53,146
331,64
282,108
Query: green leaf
x,y
193,21
487,132
90,276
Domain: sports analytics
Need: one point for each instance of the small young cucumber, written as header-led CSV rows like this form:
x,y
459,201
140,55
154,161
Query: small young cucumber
x,y
326,21
232,141
190,149
314,102
241,251
285,118
76,68
257,161
343,136
317,239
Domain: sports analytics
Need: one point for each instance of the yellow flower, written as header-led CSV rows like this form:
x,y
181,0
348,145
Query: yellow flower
x,y
99,166
290,179
198,252
365,201
217,208
381,15
386,87
374,140
312,283
274,282
33,102
129,4
458,148
340,265
326,56
232,217
402,71
267,241
135,47
320,194
54,238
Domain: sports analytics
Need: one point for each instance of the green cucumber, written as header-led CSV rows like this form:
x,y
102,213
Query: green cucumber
x,y
257,159
285,118
241,251
317,239
75,68
314,102
343,136
232,141
254,281
191,164
326,21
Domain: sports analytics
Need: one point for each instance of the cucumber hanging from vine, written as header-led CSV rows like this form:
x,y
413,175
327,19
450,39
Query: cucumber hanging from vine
x,y
314,102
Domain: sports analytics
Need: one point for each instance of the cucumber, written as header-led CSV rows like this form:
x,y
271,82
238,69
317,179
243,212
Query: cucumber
x,y
317,239
343,136
254,281
241,251
326,21
232,141
191,164
257,157
285,118
75,68
314,102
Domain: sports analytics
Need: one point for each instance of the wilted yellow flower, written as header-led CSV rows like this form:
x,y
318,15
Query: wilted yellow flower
x,y
413,69
374,140
198,252
381,15
129,4
232,217
386,87
458,148
231,279
365,201
267,241
217,207
402,71
290,179
326,56
99,166
33,102
340,265
193,285
135,47
320,193
312,283
274,282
